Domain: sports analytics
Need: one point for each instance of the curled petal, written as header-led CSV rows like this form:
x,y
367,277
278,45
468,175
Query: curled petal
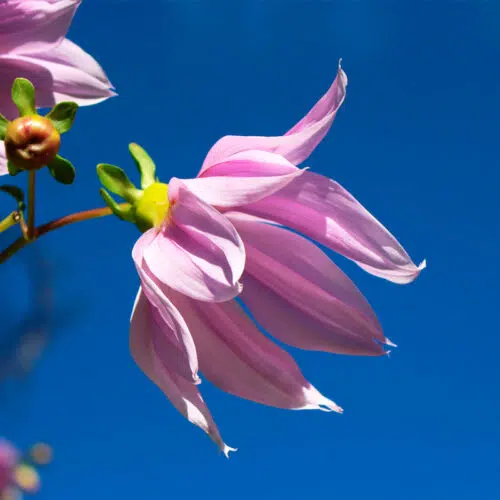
x,y
240,360
182,394
324,211
301,297
30,26
171,339
243,178
298,143
197,251
65,73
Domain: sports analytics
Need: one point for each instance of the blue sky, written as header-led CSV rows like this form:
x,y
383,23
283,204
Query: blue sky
x,y
415,142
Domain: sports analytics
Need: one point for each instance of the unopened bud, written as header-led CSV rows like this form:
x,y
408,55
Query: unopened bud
x,y
31,142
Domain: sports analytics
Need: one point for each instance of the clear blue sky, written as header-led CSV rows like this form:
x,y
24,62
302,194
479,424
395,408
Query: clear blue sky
x,y
416,142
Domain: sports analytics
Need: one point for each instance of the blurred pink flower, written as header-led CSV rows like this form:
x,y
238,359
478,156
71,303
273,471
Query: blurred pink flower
x,y
17,473
183,318
8,461
33,46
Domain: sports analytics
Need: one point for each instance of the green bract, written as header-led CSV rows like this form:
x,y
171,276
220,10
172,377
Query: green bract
x,y
23,96
3,126
115,180
62,170
146,207
144,164
16,193
62,116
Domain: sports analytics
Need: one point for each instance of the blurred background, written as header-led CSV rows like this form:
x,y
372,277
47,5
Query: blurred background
x,y
415,142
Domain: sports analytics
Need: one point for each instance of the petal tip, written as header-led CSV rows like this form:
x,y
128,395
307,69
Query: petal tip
x,y
227,449
389,342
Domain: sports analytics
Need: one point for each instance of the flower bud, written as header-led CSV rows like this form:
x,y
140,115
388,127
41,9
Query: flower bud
x,y
31,142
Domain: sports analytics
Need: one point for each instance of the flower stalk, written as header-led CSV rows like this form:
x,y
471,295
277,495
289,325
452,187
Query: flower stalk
x,y
31,204
48,227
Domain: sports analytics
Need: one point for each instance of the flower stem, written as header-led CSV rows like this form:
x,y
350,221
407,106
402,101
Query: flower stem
x,y
52,226
11,220
72,218
31,204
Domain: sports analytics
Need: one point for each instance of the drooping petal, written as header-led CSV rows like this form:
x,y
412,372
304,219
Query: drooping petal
x,y
197,251
295,292
323,210
171,339
183,394
65,73
30,26
240,360
243,178
298,143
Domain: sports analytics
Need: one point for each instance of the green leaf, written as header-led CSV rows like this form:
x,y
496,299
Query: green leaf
x,y
62,170
13,170
23,95
62,116
4,123
116,180
16,193
123,213
144,163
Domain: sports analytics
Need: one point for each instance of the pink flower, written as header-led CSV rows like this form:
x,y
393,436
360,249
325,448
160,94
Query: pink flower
x,y
8,461
190,268
33,46
17,474
312,204
183,318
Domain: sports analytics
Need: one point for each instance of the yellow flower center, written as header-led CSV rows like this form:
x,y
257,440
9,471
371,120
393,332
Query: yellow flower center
x,y
153,206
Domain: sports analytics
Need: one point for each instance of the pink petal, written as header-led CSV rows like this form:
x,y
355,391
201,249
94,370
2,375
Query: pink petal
x,y
197,252
3,160
299,142
172,339
243,178
238,359
300,296
9,457
183,394
64,73
29,26
324,211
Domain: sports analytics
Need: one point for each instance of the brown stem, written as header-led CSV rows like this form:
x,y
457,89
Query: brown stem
x,y
52,226
71,219
31,204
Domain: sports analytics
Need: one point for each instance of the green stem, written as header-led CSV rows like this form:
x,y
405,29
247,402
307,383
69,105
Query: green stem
x,y
11,220
31,204
52,226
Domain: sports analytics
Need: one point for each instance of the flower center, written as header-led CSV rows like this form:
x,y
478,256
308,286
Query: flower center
x,y
153,206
